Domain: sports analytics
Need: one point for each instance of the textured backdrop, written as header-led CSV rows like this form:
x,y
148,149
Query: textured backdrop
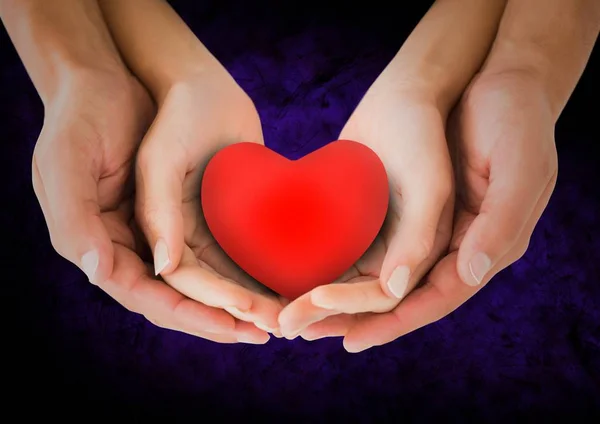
x,y
527,344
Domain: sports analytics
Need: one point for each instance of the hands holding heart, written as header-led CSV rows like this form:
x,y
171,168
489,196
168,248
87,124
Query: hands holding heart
x,y
429,191
298,226
362,238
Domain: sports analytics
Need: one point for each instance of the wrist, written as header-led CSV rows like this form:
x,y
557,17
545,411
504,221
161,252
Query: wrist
x,y
58,41
192,79
118,87
547,41
414,83
510,87
527,66
186,76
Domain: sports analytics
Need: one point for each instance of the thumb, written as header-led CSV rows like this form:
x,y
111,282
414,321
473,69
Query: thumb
x,y
159,178
68,195
509,202
417,242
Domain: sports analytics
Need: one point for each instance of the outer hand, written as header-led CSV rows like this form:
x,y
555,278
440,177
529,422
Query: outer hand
x,y
82,177
503,135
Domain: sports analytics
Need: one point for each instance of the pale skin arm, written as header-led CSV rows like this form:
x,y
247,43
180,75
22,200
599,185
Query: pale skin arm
x,y
446,49
59,39
160,49
548,40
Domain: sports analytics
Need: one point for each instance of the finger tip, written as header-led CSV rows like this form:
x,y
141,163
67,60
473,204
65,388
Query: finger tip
x,y
354,348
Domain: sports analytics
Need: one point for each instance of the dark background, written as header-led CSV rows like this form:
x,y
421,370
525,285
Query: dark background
x,y
528,345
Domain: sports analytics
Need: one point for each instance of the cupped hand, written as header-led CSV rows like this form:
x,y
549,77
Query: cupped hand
x,y
195,120
83,178
405,128
502,139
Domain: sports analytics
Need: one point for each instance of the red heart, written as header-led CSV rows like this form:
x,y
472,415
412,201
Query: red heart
x,y
295,225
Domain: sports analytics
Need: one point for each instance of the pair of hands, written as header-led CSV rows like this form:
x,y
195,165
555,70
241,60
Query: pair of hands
x,y
441,241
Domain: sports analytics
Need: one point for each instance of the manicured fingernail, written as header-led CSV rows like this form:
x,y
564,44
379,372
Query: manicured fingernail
x,y
292,336
243,338
316,300
398,282
479,266
89,264
263,327
161,256
356,348
237,312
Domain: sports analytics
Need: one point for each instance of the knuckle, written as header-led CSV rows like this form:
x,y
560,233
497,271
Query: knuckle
x,y
522,249
504,234
149,216
57,246
57,243
156,322
145,158
444,187
425,245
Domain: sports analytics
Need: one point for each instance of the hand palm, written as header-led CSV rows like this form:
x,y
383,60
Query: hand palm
x,y
501,138
200,121
409,138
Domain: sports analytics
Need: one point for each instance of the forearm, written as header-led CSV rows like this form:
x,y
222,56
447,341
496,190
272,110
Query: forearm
x,y
59,39
550,41
447,48
157,45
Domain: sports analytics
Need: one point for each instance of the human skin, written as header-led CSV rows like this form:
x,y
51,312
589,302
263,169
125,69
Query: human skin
x,y
201,109
96,114
502,138
402,118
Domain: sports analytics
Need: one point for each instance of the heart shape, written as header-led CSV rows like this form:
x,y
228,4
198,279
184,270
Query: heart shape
x,y
295,225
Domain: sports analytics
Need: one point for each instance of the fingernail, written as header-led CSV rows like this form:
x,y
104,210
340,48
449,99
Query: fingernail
x,y
293,336
89,264
243,338
237,312
161,256
356,348
315,300
398,282
479,266
263,327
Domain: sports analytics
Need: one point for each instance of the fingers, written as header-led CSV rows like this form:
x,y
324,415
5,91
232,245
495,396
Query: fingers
x,y
364,295
131,286
521,246
160,170
442,294
333,326
64,183
421,237
509,202
206,286
299,314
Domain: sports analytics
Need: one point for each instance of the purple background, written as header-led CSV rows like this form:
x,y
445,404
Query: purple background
x,y
527,345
